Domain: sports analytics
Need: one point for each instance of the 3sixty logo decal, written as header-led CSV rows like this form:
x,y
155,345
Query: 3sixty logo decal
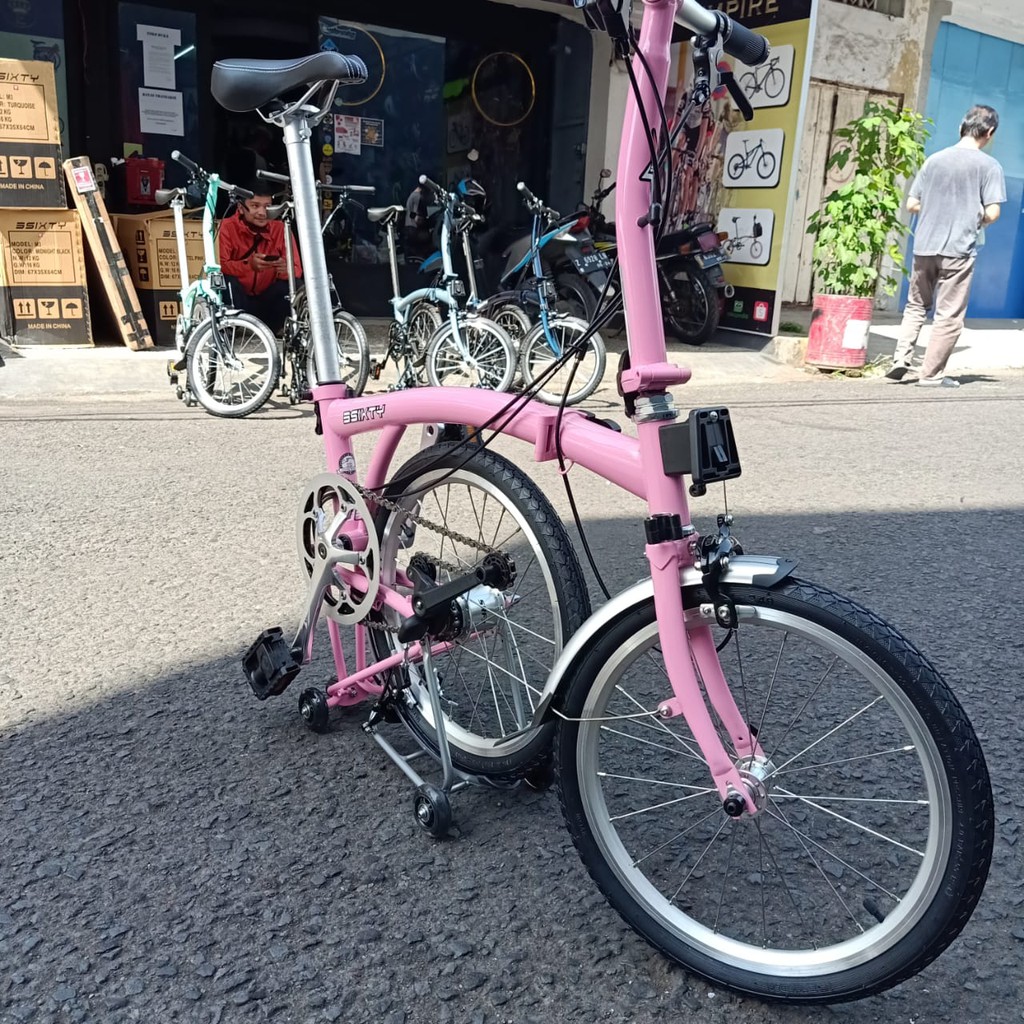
x,y
370,412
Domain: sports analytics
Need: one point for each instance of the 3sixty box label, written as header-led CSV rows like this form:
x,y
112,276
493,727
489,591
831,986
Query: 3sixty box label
x,y
29,136
370,412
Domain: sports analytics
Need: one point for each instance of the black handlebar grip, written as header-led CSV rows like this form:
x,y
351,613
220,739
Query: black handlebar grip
x,y
424,180
744,45
528,195
180,158
272,176
363,189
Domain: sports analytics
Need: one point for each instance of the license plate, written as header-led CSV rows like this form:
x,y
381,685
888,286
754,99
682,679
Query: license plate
x,y
591,262
710,259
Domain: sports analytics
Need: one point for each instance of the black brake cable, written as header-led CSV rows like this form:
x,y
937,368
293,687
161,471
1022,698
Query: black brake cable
x,y
558,445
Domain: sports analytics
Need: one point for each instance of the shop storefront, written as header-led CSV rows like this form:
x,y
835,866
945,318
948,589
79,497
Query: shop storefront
x,y
465,87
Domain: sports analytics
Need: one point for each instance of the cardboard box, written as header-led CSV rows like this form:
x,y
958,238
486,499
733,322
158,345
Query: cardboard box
x,y
44,298
30,157
150,249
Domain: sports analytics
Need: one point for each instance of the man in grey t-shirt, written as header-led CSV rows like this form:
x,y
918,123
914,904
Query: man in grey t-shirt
x,y
956,193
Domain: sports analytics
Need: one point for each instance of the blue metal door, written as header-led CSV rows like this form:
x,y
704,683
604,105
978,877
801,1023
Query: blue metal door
x,y
968,68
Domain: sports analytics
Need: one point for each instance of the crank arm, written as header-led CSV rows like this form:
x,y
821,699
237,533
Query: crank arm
x,y
320,582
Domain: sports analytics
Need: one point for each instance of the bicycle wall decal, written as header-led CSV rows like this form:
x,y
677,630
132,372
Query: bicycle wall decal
x,y
754,159
771,84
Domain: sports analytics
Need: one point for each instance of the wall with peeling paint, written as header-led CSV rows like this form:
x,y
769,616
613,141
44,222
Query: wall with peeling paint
x,y
870,50
1004,19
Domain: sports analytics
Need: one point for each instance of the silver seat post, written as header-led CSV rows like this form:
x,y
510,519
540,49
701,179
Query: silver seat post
x,y
297,133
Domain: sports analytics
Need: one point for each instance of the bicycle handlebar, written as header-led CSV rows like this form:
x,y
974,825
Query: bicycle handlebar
x,y
236,191
272,176
535,204
737,40
283,179
424,180
179,158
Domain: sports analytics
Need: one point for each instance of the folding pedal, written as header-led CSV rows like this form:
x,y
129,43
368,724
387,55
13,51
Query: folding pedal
x,y
270,664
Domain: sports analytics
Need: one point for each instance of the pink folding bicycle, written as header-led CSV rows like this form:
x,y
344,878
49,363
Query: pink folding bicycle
x,y
770,784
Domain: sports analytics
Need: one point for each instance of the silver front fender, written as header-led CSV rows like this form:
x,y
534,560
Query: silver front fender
x,y
762,570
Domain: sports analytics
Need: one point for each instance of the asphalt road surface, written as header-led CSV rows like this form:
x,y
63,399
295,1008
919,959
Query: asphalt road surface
x,y
173,850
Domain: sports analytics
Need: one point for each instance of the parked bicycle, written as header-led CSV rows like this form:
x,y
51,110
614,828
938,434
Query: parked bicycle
x,y
769,783
762,160
350,335
528,311
468,349
230,358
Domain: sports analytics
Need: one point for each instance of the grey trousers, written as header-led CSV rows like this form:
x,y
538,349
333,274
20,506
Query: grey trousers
x,y
946,281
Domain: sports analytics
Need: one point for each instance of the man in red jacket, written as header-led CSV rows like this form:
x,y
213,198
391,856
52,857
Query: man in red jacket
x,y
252,256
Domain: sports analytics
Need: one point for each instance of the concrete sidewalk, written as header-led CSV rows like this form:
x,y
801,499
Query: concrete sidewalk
x,y
113,372
985,345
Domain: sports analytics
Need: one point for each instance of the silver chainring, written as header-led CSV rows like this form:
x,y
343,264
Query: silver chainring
x,y
331,511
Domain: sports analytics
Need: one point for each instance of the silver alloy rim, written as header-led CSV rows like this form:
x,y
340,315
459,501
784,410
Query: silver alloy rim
x,y
807,962
567,331
488,360
511,524
351,344
241,387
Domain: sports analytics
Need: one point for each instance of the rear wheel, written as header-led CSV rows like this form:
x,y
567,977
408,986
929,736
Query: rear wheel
x,y
353,352
575,297
235,377
691,310
490,679
874,834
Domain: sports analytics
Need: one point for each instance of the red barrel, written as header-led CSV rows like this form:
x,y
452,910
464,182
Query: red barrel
x,y
838,339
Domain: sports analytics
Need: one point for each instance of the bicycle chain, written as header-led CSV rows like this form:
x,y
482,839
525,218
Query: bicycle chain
x,y
393,506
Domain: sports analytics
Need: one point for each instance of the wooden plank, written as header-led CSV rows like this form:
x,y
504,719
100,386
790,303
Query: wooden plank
x,y
99,232
822,140
806,198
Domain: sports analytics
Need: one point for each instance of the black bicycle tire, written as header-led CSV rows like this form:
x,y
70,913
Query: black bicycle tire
x,y
265,392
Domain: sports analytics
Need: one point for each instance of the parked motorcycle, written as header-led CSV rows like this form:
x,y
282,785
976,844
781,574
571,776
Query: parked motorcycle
x,y
693,286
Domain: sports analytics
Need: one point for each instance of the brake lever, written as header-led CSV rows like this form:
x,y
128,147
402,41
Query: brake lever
x,y
728,79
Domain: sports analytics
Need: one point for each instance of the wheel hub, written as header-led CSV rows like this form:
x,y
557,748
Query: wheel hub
x,y
757,772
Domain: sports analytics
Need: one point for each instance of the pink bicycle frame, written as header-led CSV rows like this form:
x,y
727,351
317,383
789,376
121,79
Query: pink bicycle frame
x,y
634,464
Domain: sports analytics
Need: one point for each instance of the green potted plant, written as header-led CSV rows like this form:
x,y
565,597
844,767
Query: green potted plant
x,y
858,225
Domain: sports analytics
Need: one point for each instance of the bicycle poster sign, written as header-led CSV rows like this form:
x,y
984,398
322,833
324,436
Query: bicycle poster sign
x,y
740,175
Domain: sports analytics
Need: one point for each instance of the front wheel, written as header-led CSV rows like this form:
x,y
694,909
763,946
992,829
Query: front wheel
x,y
689,303
234,370
353,353
874,833
578,377
480,354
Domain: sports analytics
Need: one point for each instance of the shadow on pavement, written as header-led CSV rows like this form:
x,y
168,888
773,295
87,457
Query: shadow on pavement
x,y
175,850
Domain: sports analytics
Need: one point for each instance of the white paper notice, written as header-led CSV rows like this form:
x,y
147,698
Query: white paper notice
x,y
158,54
160,113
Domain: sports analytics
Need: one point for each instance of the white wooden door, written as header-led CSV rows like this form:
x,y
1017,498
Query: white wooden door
x,y
829,107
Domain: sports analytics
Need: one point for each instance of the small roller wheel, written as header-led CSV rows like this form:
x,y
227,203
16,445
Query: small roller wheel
x,y
540,776
180,392
314,710
433,811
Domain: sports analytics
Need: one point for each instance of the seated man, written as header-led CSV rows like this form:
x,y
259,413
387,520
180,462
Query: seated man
x,y
252,257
